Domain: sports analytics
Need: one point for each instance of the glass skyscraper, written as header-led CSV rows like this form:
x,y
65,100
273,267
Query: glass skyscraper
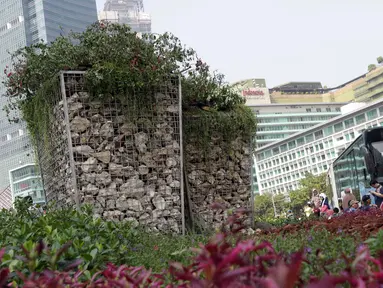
x,y
129,12
22,23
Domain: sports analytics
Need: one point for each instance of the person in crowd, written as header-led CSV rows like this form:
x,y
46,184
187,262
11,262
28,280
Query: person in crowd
x,y
325,209
354,206
315,199
316,202
336,212
366,203
324,202
378,193
348,196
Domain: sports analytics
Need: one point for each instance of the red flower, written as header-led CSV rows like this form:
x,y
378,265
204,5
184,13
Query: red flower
x,y
9,74
155,247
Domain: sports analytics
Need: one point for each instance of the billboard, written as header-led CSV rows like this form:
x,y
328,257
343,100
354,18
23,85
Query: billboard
x,y
255,96
254,91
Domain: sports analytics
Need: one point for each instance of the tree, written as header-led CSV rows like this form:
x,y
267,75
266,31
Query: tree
x,y
300,197
264,207
371,67
379,59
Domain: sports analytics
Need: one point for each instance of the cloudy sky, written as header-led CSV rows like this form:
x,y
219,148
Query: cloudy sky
x,y
331,41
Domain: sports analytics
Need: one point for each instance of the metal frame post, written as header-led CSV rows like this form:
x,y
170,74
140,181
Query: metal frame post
x,y
252,171
69,138
181,155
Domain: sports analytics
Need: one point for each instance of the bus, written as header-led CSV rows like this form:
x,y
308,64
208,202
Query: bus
x,y
359,163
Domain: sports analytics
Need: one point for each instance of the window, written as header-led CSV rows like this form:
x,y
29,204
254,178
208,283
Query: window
x,y
276,151
372,114
338,127
309,138
284,148
318,134
319,110
301,141
328,109
360,119
328,130
292,145
349,123
308,110
337,109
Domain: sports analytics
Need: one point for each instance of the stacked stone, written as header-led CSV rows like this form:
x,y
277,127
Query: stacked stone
x,y
221,175
128,170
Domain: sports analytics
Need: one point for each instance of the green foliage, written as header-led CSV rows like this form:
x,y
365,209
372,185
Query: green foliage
x,y
117,63
93,240
300,197
379,60
264,207
371,67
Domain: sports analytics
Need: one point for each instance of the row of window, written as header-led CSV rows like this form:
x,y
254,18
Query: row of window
x,y
293,177
337,127
11,136
284,127
293,119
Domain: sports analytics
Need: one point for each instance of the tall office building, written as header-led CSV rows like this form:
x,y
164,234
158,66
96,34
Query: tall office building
x,y
22,23
129,12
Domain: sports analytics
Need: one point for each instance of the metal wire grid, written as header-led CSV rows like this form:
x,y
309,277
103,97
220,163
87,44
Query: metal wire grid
x,y
126,155
52,151
216,175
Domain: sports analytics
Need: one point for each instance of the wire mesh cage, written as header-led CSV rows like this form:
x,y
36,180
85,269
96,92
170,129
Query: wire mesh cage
x,y
218,170
122,155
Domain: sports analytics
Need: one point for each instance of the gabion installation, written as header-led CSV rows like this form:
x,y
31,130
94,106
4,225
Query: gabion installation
x,y
124,159
218,171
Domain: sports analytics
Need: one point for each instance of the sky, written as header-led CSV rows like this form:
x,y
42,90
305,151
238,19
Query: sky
x,y
331,41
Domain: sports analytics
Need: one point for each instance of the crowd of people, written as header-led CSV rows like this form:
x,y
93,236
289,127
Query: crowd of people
x,y
348,204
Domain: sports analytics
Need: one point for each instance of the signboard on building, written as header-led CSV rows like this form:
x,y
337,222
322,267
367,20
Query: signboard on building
x,y
255,96
253,90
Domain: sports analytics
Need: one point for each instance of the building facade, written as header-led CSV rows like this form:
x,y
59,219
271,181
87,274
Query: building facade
x,y
371,89
280,165
279,121
129,12
23,23
26,181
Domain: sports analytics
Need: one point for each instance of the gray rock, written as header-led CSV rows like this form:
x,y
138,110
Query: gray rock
x,y
175,184
159,202
112,215
173,109
171,162
83,150
140,140
75,106
128,129
110,204
104,178
79,124
90,165
103,156
134,205
143,170
106,130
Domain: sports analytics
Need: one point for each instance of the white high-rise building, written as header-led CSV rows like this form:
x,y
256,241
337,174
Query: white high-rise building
x,y
23,23
129,12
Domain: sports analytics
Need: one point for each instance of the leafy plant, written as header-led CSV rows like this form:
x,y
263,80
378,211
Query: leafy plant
x,y
117,63
227,260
